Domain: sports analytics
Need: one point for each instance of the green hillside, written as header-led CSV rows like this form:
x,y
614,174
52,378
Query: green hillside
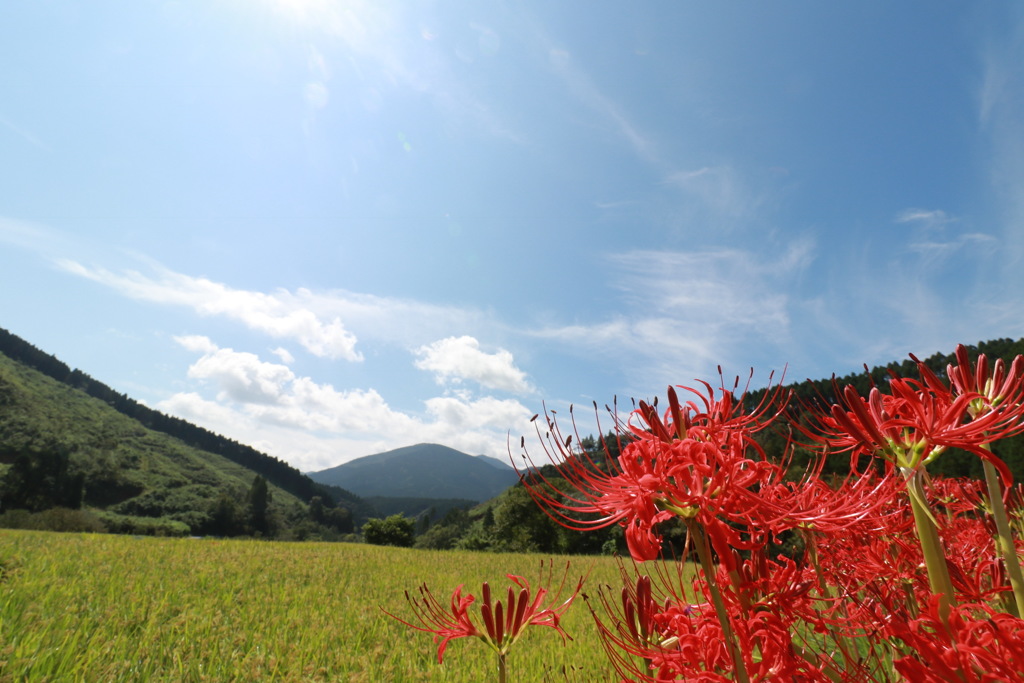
x,y
61,448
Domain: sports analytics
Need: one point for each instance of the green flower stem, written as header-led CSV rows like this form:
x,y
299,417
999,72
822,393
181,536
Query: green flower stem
x,y
931,545
1004,537
700,542
501,667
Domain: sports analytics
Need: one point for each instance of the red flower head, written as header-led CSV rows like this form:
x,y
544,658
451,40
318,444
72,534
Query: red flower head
x,y
973,644
500,624
995,387
692,462
916,422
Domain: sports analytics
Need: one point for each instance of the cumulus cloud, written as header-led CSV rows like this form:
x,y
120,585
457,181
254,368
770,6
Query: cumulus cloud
x,y
314,425
241,376
455,359
279,314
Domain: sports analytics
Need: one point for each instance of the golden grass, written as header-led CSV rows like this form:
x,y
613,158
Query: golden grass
x,y
117,608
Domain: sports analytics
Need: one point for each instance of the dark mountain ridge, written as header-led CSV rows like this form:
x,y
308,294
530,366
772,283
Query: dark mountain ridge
x,y
424,470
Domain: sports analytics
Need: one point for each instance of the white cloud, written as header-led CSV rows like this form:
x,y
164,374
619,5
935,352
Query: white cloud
x,y
31,236
317,64
723,288
278,314
196,343
286,357
455,359
313,425
486,413
931,239
242,377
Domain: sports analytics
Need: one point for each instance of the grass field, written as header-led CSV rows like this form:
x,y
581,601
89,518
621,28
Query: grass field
x,y
118,608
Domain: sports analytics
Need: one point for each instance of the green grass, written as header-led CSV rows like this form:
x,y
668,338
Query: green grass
x,y
94,607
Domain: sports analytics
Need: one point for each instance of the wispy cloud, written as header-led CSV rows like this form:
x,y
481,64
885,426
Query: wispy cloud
x,y
275,314
690,311
719,190
30,236
932,242
925,216
584,89
931,284
24,134
936,251
1001,117
455,359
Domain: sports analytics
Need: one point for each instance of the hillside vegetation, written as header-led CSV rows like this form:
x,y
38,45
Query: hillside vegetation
x,y
69,460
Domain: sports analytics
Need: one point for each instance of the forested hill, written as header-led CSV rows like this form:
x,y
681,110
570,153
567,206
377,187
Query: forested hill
x,y
807,390
816,394
277,472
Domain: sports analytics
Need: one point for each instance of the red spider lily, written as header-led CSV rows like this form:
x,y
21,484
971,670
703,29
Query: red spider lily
x,y
686,641
779,625
631,628
707,415
976,571
690,463
499,624
994,387
998,403
813,505
957,495
652,482
914,424
974,644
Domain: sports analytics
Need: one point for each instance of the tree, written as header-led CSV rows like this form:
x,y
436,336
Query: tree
x,y
395,530
226,518
316,509
259,501
41,478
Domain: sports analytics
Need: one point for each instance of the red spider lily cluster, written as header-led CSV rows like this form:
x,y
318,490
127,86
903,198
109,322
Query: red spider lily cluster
x,y
900,576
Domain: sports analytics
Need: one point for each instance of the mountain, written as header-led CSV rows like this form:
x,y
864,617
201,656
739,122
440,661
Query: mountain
x,y
67,442
495,462
425,471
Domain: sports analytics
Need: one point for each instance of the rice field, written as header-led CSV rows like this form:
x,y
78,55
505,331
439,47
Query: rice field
x,y
94,607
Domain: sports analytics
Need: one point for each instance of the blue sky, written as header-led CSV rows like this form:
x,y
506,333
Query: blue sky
x,y
329,228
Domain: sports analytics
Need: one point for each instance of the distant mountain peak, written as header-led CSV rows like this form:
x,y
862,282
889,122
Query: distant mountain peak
x,y
425,470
